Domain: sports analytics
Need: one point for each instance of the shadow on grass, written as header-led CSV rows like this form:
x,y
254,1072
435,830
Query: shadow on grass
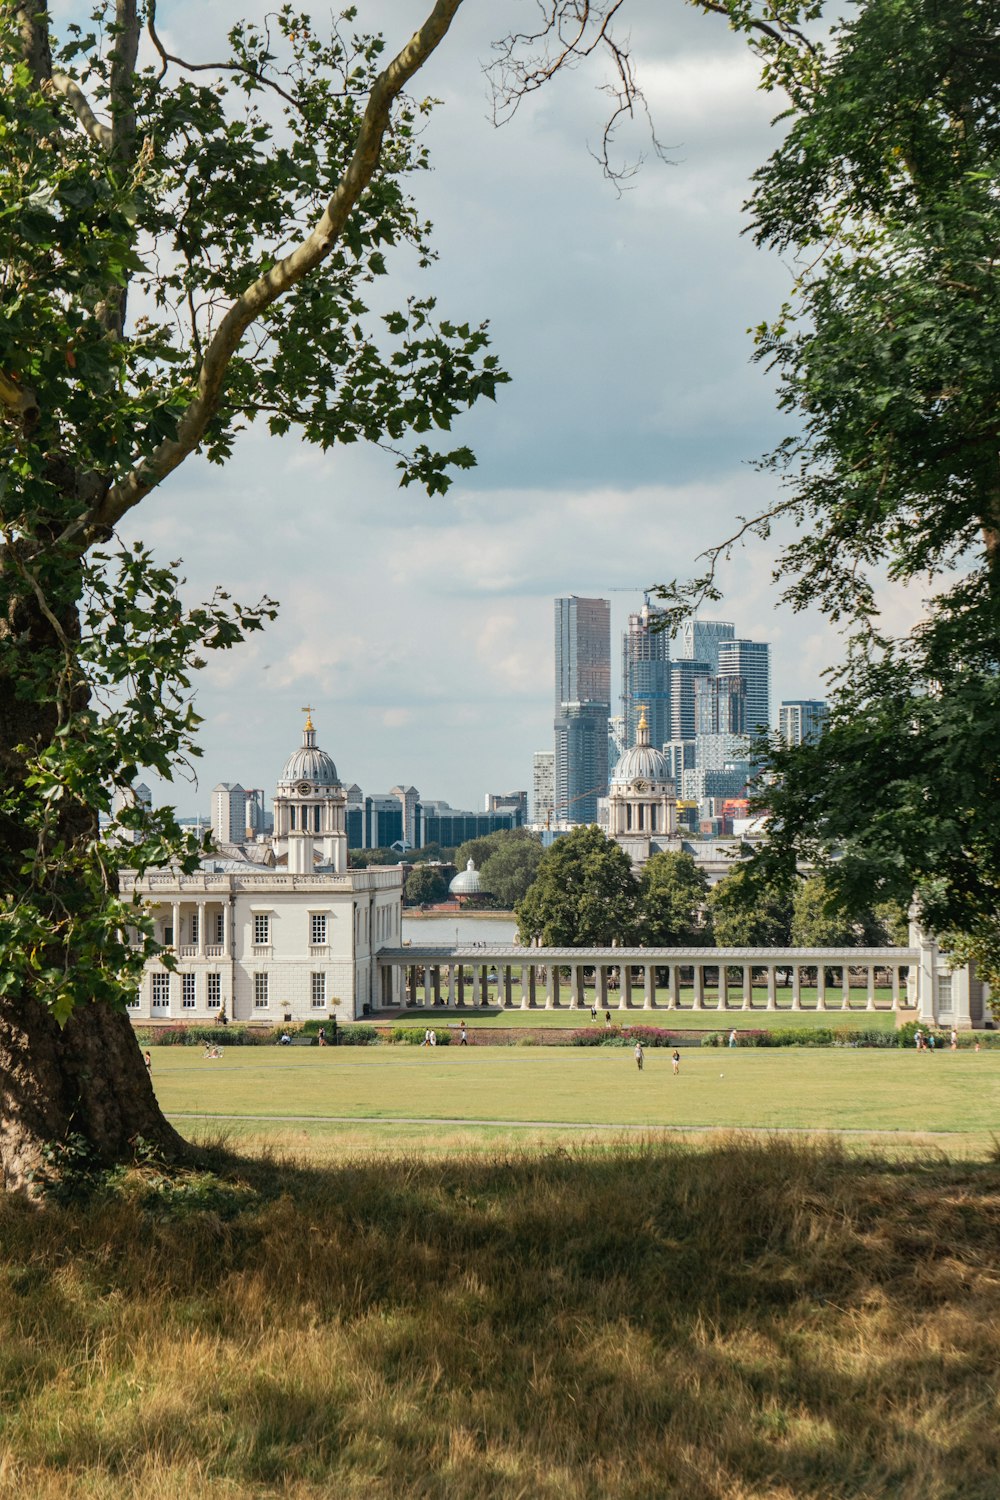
x,y
753,1319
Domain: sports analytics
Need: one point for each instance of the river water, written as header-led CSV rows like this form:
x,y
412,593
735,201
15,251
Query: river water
x,y
458,928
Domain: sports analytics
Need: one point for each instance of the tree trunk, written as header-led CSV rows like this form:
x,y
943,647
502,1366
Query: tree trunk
x,y
86,1079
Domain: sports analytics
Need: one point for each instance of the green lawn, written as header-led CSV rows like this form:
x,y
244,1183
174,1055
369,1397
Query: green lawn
x,y
672,1020
782,1088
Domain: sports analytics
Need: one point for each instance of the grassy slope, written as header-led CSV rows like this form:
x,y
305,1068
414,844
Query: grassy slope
x,y
808,1089
744,1323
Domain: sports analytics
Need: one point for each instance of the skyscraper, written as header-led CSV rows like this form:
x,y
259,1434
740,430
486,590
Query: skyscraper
x,y
801,719
646,676
685,695
543,785
582,706
750,660
699,640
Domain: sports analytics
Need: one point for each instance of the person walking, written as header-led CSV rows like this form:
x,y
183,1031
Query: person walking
x,y
954,1040
148,1061
675,1060
463,1036
638,1056
732,1037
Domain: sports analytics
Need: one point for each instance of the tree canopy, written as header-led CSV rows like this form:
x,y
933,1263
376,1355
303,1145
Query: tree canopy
x,y
584,894
673,892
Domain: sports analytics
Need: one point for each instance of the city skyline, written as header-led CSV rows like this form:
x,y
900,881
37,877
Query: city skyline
x,y
414,624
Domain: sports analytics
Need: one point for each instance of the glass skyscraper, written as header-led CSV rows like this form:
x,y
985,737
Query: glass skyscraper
x,y
646,677
582,706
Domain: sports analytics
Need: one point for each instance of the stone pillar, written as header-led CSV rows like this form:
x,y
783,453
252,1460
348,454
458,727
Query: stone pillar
x,y
649,987
552,987
477,994
227,936
436,982
895,986
201,929
601,986
532,986
698,987
175,918
576,987
723,987
796,987
772,997
428,987
748,987
820,987
870,1002
451,984
625,987
845,986
503,986
673,1003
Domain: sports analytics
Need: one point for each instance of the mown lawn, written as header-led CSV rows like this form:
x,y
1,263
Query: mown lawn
x,y
781,1088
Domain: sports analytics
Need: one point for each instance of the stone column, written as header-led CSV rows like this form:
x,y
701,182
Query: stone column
x,y
551,986
870,1002
649,987
201,929
625,987
820,987
673,1003
451,984
723,987
698,987
601,986
895,986
772,997
576,993
747,987
796,987
176,919
477,994
428,988
845,987
532,986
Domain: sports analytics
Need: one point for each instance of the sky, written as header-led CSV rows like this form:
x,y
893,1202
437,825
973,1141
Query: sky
x,y
421,630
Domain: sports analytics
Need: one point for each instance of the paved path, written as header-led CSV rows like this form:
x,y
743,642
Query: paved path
x,y
453,1120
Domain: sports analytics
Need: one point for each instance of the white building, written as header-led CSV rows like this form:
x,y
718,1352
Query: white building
x,y
642,800
282,944
543,786
229,813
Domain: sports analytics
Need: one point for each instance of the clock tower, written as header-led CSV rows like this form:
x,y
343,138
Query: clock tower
x,y
310,810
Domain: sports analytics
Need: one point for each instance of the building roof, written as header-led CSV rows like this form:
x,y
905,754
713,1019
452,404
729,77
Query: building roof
x,y
309,762
642,761
468,882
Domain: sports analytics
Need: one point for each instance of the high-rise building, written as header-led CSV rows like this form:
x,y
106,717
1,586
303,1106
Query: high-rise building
x,y
802,719
699,640
646,677
229,813
582,706
750,660
543,785
507,802
685,675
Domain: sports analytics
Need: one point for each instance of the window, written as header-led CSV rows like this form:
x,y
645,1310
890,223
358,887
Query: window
x,y
220,926
318,991
317,930
168,936
944,991
161,990
261,929
194,927
188,991
291,816
135,1001
214,991
260,991
316,828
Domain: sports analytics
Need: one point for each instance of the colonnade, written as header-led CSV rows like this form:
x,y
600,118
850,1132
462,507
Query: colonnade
x,y
528,981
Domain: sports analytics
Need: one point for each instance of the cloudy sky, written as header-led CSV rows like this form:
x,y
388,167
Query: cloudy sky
x,y
421,630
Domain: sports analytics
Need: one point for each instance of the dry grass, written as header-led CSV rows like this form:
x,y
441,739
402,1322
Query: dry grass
x,y
745,1321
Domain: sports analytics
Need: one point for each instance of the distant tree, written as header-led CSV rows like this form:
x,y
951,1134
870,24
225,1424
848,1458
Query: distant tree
x,y
749,912
822,919
892,924
673,895
425,885
360,859
511,869
479,850
583,896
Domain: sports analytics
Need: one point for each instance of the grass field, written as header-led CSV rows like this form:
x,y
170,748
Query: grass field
x,y
683,1019
788,1088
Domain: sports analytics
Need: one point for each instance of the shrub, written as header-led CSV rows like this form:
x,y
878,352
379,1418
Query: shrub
x,y
357,1036
413,1036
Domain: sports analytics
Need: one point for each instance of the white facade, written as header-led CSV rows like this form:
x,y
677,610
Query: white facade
x,y
543,785
229,813
268,947
642,802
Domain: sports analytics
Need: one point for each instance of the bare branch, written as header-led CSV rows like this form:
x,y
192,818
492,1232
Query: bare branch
x,y
166,58
266,290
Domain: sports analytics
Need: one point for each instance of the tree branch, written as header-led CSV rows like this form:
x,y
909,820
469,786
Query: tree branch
x,y
279,280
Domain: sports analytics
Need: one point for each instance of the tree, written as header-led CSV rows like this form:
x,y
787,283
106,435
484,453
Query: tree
x,y
673,896
584,894
511,868
884,193
749,912
174,266
480,849
425,885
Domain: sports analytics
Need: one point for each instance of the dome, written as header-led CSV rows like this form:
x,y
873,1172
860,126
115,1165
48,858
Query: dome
x,y
642,762
468,883
309,762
